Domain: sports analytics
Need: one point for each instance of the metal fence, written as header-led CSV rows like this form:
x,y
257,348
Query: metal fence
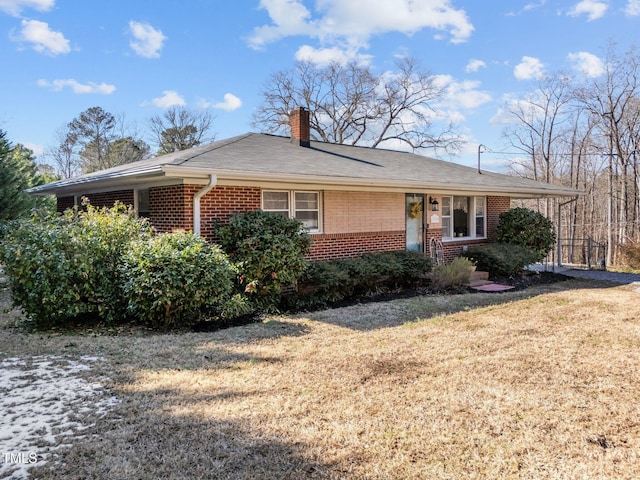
x,y
581,252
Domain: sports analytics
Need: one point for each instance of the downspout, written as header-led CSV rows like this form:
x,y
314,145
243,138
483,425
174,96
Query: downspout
x,y
213,180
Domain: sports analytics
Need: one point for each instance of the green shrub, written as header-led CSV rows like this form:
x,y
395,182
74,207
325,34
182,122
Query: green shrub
x,y
452,275
64,267
268,250
527,228
173,277
330,281
501,259
629,256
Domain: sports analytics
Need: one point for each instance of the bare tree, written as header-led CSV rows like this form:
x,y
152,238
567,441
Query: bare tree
x,y
64,155
613,99
349,104
588,137
538,131
180,129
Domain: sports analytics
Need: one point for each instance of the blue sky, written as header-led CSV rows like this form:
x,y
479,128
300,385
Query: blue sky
x,y
135,58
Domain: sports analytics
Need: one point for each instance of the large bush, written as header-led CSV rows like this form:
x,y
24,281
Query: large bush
x,y
64,267
527,228
174,277
501,259
268,250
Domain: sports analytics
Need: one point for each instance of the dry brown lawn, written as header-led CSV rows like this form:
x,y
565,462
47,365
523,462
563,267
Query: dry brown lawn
x,y
537,384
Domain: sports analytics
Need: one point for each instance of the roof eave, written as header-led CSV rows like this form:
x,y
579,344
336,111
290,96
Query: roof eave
x,y
444,188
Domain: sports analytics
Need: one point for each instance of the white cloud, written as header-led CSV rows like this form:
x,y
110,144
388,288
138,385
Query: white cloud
x,y
350,24
231,103
169,98
529,68
14,7
43,39
147,41
587,63
502,117
462,95
594,9
633,8
77,87
534,5
474,65
38,150
289,18
326,56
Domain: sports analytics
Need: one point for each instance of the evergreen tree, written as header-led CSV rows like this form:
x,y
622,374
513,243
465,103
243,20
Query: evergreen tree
x,y
18,172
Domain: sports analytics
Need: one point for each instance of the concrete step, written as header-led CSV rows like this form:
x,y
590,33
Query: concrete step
x,y
479,278
478,275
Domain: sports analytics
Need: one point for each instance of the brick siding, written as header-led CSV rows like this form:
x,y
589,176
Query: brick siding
x,y
172,206
64,203
495,206
361,212
222,202
107,199
171,209
101,199
345,245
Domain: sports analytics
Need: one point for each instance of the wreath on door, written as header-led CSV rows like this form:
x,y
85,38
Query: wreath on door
x,y
416,209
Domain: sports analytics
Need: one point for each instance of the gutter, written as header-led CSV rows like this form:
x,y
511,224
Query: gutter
x,y
213,180
534,191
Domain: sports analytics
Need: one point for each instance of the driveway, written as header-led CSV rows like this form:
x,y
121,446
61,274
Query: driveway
x,y
615,277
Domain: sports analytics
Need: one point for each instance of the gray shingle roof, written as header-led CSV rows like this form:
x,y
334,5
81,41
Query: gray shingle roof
x,y
261,157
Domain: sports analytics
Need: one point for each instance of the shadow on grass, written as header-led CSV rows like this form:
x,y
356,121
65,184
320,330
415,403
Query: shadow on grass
x,y
156,441
372,316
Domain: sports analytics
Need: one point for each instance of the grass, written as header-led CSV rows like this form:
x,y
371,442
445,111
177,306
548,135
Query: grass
x,y
533,384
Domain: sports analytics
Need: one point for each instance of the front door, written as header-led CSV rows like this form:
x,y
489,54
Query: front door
x,y
414,212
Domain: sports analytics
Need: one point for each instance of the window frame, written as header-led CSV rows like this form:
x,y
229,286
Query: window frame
x,y
138,192
292,210
471,221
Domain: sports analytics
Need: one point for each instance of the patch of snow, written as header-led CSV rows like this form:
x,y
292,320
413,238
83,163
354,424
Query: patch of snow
x,y
45,404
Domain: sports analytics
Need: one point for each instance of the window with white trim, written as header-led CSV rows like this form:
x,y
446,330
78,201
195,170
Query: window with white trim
x,y
463,217
301,205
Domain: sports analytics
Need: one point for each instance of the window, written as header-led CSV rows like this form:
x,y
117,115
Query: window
x,y
276,202
306,209
463,217
480,214
143,204
303,206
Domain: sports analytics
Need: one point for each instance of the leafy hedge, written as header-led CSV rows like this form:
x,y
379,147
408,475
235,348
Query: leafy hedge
x,y
60,268
330,281
501,259
104,264
172,278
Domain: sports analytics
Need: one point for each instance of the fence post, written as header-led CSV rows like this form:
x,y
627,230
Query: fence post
x,y
589,253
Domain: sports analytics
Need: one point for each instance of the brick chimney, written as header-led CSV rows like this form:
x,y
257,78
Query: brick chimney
x,y
300,129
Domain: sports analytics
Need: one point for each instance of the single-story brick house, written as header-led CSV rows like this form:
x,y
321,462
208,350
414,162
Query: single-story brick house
x,y
352,199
